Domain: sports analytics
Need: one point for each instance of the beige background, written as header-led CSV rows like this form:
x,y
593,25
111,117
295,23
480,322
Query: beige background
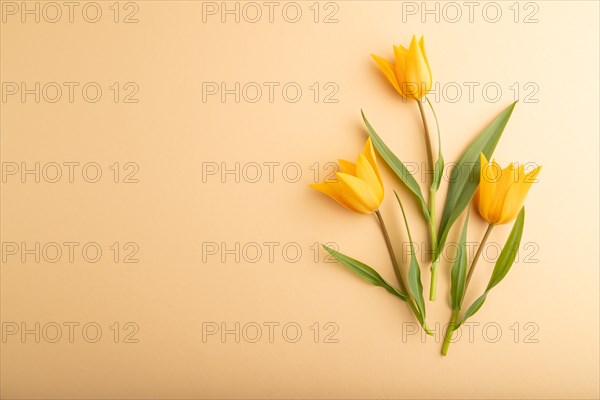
x,y
171,134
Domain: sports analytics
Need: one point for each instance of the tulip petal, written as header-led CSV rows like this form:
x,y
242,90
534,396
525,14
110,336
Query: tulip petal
x,y
358,194
516,196
487,187
400,56
417,78
347,167
364,171
508,179
388,70
333,190
369,152
422,46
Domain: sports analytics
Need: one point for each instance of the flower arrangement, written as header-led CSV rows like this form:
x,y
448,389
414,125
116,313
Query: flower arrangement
x,y
497,194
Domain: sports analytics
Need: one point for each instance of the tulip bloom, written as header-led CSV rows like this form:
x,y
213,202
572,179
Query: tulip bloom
x,y
411,75
501,192
358,186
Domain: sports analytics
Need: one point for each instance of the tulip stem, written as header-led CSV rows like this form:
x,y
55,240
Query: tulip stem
x,y
433,235
449,332
432,217
403,288
427,137
452,324
478,254
388,242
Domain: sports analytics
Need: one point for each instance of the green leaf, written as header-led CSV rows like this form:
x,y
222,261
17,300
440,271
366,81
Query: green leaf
x,y
365,272
465,174
509,252
414,271
458,275
472,309
503,264
397,166
439,164
437,173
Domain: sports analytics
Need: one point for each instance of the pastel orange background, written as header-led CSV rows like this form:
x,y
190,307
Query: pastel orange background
x,y
175,212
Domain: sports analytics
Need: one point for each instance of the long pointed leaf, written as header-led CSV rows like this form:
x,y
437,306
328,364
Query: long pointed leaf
x,y
503,264
472,309
364,272
509,252
414,271
465,174
397,166
439,164
458,275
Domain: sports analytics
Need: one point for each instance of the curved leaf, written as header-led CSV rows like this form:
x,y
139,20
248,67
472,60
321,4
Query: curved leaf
x,y
397,166
439,164
458,275
414,271
472,309
465,174
509,252
503,264
364,272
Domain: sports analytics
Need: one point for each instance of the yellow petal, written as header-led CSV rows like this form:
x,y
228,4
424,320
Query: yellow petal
x,y
400,56
388,70
417,78
502,187
487,188
364,171
531,176
347,167
369,152
422,46
333,190
516,196
358,194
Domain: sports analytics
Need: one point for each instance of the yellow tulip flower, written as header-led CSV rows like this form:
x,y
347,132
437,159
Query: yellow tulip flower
x,y
501,192
358,186
411,75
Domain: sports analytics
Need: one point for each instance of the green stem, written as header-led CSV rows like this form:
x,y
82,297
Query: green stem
x,y
397,271
449,332
433,235
432,217
427,136
452,324
478,254
433,283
